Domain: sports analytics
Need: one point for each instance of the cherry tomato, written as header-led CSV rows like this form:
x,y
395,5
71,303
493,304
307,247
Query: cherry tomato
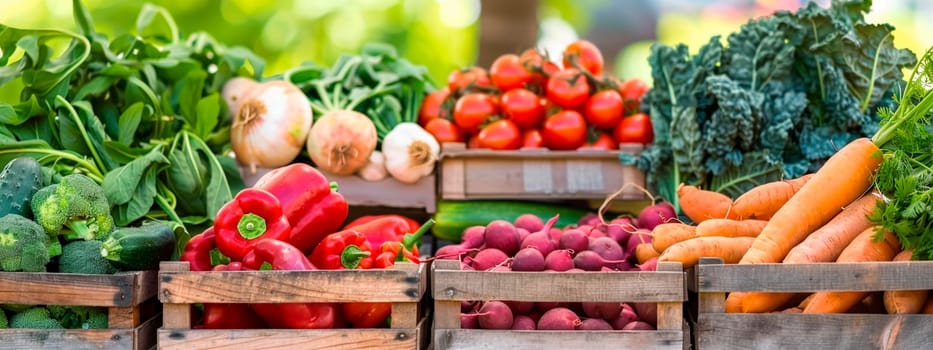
x,y
433,106
507,73
523,107
635,128
568,88
565,130
472,110
473,142
465,79
532,139
604,109
501,134
604,142
540,67
444,130
582,54
632,91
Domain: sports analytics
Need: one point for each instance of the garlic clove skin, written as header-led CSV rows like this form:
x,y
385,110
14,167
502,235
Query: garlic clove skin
x,y
375,169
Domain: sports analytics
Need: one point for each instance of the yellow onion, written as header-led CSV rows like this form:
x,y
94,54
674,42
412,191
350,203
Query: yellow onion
x,y
341,141
270,125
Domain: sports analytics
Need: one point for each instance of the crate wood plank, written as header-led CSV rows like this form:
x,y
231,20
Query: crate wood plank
x,y
873,276
174,315
564,286
122,289
266,339
473,339
810,331
66,339
145,334
396,285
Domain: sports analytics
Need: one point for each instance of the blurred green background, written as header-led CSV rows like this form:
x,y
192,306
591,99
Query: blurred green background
x,y
444,34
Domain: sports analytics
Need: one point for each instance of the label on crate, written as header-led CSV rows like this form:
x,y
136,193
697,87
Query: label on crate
x,y
536,176
584,176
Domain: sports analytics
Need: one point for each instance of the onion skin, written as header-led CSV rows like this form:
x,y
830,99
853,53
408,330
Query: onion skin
x,y
235,90
270,125
341,141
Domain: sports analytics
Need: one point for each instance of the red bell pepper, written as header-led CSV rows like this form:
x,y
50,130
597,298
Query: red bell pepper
x,y
253,215
198,251
412,224
231,316
283,256
385,228
312,205
342,250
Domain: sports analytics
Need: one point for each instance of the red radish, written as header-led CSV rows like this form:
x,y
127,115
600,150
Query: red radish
x,y
522,234
540,241
638,326
647,312
467,306
626,316
545,306
559,260
574,240
657,214
495,315
469,321
473,236
588,219
589,260
595,324
523,323
530,222
520,307
650,265
638,237
559,319
617,232
555,233
584,228
593,234
607,248
452,252
464,266
501,235
488,258
528,259
625,222
604,310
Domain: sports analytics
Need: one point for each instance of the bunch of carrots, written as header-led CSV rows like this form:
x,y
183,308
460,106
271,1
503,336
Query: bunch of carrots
x,y
820,217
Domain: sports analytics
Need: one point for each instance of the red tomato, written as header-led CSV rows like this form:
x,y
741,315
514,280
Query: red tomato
x,y
473,142
432,106
604,142
523,107
635,128
632,91
604,109
472,110
444,130
532,139
540,67
507,73
582,54
565,130
464,79
568,88
501,134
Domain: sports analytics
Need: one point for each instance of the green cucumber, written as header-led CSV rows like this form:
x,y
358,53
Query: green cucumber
x,y
452,217
139,248
19,180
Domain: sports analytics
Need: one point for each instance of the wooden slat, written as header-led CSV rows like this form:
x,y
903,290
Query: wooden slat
x,y
292,339
808,331
291,286
474,339
145,335
671,313
564,286
68,289
146,285
873,276
174,315
446,312
66,339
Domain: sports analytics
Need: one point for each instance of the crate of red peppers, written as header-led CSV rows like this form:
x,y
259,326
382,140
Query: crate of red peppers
x,y
530,129
277,271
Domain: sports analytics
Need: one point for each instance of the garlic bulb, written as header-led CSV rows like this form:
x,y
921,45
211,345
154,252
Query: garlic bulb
x,y
410,152
375,169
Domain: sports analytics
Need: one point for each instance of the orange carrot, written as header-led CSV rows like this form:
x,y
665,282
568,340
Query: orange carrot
x,y
844,177
644,252
905,301
823,245
689,252
792,310
734,302
667,234
762,201
862,249
700,205
928,307
730,228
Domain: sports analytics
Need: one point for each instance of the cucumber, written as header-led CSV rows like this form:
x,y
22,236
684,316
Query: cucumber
x,y
19,180
452,217
139,248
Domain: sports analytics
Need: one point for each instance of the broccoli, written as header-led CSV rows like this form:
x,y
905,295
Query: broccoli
x,y
37,317
84,257
96,319
4,323
23,245
76,207
79,317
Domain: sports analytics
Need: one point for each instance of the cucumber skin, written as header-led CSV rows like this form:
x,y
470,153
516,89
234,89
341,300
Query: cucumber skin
x,y
139,248
452,217
20,179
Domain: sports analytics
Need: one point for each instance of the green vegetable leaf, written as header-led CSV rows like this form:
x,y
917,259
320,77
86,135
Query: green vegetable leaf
x,y
753,171
122,184
208,112
870,62
129,121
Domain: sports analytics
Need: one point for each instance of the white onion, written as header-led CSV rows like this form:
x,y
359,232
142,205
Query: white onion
x,y
270,125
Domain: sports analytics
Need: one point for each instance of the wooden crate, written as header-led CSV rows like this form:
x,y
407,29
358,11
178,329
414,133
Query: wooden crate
x,y
536,174
129,296
451,285
403,286
716,329
387,192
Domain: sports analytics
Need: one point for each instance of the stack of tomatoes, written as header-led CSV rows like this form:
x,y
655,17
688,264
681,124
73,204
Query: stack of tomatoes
x,y
529,101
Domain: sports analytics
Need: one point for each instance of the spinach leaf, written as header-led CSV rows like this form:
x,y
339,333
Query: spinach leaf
x,y
123,184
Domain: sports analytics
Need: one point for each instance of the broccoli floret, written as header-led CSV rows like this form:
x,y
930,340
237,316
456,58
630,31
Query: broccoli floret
x,y
96,319
37,317
84,257
76,207
23,245
4,323
79,317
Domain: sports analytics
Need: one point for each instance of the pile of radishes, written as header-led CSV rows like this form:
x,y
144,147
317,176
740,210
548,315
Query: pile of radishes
x,y
529,244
